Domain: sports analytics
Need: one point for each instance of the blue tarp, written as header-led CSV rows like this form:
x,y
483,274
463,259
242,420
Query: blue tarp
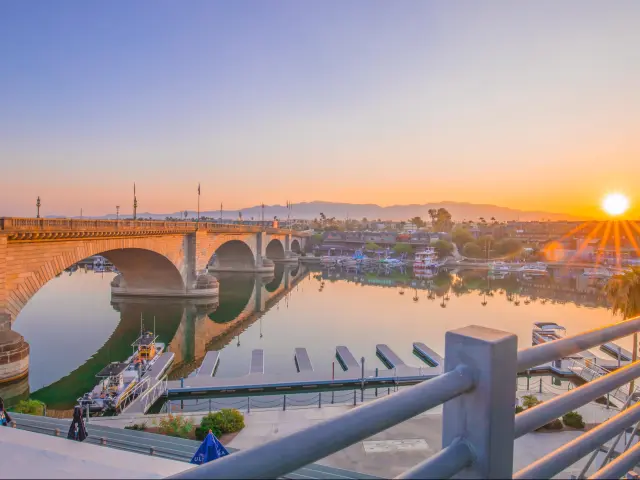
x,y
210,449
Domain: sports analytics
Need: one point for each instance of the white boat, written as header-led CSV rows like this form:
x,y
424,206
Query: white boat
x,y
499,266
598,272
119,379
544,332
538,268
427,258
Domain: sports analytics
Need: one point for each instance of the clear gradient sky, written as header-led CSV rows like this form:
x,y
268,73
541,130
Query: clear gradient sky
x,y
527,104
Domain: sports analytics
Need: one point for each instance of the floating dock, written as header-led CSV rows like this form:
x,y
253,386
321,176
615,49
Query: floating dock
x,y
306,378
346,359
209,364
303,362
615,350
427,355
389,357
257,362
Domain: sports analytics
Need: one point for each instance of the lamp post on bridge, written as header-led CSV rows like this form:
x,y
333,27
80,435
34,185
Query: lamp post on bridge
x,y
38,207
135,202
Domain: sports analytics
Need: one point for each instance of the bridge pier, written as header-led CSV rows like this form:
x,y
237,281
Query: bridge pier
x,y
205,286
14,353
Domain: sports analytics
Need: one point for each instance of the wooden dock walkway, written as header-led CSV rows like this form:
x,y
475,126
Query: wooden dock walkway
x,y
346,359
209,364
303,362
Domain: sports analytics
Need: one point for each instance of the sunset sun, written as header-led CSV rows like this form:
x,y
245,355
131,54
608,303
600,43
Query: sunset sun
x,y
615,204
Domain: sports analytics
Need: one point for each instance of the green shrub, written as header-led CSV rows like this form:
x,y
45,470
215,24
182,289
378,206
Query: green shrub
x,y
30,407
519,409
529,401
553,425
573,420
225,421
175,426
137,426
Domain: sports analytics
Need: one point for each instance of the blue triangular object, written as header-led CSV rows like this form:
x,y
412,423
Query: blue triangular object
x,y
210,449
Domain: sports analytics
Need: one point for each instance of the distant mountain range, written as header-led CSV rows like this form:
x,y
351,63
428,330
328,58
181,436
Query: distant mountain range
x,y
311,210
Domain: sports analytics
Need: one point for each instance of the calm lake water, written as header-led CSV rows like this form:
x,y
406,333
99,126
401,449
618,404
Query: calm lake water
x,y
74,327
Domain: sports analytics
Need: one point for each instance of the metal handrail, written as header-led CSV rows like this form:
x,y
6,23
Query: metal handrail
x,y
542,414
547,352
474,428
316,442
568,454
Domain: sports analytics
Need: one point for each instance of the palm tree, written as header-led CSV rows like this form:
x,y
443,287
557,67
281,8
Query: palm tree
x,y
623,291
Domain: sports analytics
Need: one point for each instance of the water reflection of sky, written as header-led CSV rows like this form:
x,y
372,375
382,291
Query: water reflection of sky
x,y
71,318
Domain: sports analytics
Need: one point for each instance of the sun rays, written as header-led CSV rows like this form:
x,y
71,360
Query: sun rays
x,y
606,243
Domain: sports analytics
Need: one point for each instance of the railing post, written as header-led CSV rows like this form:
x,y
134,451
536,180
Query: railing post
x,y
483,417
284,403
354,398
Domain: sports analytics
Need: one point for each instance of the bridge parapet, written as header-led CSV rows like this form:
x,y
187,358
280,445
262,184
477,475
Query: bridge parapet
x,y
24,228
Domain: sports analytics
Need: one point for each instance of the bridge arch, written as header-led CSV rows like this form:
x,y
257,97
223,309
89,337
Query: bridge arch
x,y
295,245
234,254
275,249
145,264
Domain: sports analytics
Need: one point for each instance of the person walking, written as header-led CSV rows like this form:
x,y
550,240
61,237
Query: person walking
x,y
77,430
5,418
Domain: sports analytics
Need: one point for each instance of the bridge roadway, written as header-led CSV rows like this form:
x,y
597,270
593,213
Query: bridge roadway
x,y
173,448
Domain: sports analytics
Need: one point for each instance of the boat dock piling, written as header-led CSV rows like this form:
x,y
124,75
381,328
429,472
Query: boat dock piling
x,y
209,364
303,362
257,361
389,357
346,359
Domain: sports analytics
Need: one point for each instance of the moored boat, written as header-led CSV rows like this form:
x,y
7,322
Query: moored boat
x,y
544,332
426,258
119,381
538,268
498,266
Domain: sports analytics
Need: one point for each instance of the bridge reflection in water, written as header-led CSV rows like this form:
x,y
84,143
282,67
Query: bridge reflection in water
x,y
190,327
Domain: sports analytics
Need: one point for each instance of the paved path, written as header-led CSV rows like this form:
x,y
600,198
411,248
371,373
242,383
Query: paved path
x,y
168,447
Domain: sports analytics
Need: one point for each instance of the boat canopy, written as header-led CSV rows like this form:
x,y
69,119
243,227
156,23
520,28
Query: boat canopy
x,y
113,369
549,325
145,340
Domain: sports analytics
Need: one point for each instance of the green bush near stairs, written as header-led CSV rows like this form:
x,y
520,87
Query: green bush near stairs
x,y
225,421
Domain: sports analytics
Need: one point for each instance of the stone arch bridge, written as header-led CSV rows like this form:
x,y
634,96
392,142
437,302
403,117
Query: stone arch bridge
x,y
155,258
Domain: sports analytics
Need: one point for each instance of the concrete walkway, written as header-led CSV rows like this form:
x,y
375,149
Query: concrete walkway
x,y
32,455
